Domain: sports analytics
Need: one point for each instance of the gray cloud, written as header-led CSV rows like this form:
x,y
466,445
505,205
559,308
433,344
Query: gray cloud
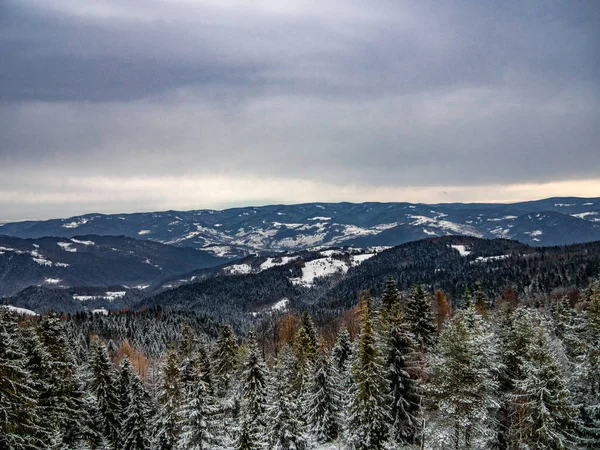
x,y
386,96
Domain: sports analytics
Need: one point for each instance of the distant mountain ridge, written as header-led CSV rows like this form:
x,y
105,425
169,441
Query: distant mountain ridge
x,y
93,261
237,232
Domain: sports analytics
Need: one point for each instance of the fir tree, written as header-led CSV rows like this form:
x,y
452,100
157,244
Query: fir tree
x,y
390,300
225,360
170,398
104,387
135,409
404,390
541,405
323,400
463,385
285,428
342,350
17,391
197,416
419,315
62,399
254,380
368,414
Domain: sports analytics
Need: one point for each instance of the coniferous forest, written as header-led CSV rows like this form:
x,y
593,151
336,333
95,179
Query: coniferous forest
x,y
403,370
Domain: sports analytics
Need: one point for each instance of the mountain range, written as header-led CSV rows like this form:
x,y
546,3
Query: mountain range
x,y
237,232
93,260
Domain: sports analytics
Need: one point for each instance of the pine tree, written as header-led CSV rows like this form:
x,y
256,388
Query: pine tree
x,y
540,405
104,387
342,350
197,416
323,400
17,390
285,428
368,414
205,366
62,400
254,380
390,300
404,390
419,315
225,360
254,397
170,398
135,409
463,385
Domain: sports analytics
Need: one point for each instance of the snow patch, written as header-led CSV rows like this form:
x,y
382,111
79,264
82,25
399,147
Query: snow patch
x,y
318,268
238,269
66,246
534,233
18,310
583,215
77,241
76,224
142,232
270,262
319,218
103,311
461,249
52,280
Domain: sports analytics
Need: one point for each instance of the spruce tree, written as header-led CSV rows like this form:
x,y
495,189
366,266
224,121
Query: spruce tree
x,y
135,409
254,378
367,424
404,391
323,400
18,406
170,398
197,416
285,428
62,401
104,387
225,360
342,350
419,315
463,370
390,300
540,404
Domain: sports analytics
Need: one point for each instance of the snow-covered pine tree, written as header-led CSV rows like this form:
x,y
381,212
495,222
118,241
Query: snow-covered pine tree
x,y
205,366
225,360
254,397
402,380
541,406
167,428
367,424
18,406
323,399
463,370
62,401
254,378
104,387
342,350
248,438
197,417
390,300
135,409
285,429
419,315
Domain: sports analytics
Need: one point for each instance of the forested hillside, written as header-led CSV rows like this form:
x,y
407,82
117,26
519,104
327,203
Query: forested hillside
x,y
407,371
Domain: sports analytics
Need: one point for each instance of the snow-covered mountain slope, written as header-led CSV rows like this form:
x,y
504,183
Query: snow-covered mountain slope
x,y
238,232
93,261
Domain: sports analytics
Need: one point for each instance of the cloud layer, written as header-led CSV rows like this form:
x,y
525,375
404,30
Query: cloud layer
x,y
152,104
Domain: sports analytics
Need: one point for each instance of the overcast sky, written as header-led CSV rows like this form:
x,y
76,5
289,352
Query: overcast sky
x,y
140,105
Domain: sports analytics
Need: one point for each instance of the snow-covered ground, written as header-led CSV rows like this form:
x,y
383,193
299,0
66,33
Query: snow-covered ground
x,y
319,268
18,310
461,249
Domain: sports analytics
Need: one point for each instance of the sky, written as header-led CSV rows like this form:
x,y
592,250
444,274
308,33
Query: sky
x,y
142,105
